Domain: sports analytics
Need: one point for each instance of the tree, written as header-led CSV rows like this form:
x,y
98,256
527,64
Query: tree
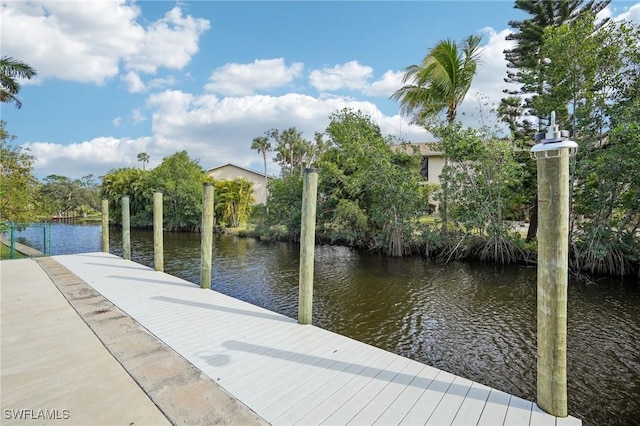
x,y
595,77
134,183
293,152
369,193
180,179
19,200
143,157
262,145
233,201
479,181
10,70
441,81
527,67
63,195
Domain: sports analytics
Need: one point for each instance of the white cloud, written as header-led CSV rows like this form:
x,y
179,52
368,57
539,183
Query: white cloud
x,y
386,85
350,75
169,42
136,85
134,82
137,116
245,79
631,14
86,41
96,156
117,121
211,129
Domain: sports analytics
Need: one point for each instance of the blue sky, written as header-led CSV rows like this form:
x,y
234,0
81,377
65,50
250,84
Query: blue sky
x,y
116,78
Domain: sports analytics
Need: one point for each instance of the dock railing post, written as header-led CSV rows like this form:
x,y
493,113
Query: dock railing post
x,y
158,242
105,226
126,229
552,155
207,235
307,245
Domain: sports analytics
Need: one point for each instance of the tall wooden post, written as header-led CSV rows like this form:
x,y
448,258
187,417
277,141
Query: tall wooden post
x,y
307,245
126,229
105,226
553,264
158,243
206,236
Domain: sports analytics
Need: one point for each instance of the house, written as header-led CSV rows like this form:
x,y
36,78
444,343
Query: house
x,y
231,171
432,158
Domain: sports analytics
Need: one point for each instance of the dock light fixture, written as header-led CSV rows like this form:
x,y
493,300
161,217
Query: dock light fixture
x,y
552,142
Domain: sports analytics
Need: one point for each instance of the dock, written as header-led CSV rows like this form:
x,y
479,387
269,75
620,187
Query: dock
x,y
21,248
264,364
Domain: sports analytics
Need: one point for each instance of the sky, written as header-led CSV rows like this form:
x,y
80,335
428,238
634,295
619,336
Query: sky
x,y
117,78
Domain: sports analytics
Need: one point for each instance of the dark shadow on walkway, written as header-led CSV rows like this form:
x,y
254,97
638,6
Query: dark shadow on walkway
x,y
264,315
148,280
111,266
361,370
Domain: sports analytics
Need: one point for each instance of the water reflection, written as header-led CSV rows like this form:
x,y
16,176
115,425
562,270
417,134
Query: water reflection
x,y
470,319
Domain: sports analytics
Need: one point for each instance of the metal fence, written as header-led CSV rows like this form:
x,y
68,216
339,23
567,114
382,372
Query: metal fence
x,y
26,239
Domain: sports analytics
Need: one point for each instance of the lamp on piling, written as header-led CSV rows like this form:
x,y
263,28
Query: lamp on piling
x,y
552,155
553,140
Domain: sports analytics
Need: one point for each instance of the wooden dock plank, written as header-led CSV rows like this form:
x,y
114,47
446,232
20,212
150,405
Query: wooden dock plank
x,y
450,403
495,410
429,400
399,408
288,373
355,404
389,394
519,412
473,405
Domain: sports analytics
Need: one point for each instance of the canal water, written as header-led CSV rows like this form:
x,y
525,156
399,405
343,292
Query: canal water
x,y
471,319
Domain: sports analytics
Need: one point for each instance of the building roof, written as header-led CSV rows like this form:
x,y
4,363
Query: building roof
x,y
424,149
236,166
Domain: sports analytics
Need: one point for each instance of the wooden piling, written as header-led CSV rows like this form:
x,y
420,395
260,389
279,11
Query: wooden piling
x,y
206,236
553,249
105,226
307,245
158,243
126,229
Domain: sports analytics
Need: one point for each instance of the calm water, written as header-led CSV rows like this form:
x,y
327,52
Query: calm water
x,y
470,319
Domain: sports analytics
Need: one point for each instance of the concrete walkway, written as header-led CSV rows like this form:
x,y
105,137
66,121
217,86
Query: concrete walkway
x,y
55,370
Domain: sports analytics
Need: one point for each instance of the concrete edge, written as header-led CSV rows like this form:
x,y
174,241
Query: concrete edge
x,y
184,394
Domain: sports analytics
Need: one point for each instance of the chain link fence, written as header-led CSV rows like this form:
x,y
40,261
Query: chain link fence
x,y
25,240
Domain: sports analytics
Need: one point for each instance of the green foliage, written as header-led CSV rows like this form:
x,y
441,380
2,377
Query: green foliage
x,y
180,180
19,200
285,205
233,201
441,81
594,78
477,182
134,183
369,194
63,195
10,70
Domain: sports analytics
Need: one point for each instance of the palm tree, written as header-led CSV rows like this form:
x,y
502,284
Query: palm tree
x,y
10,70
144,158
441,81
262,145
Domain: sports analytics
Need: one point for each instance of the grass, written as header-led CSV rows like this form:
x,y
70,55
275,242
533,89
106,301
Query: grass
x,y
5,253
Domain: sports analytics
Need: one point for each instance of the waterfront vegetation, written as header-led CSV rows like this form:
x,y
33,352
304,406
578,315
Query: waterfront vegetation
x,y
371,196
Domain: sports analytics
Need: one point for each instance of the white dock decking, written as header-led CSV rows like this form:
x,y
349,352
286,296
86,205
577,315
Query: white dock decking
x,y
290,373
